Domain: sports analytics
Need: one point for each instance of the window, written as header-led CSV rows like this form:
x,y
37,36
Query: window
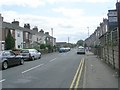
x,y
37,39
26,34
12,54
18,46
11,31
18,34
106,28
24,51
7,53
30,36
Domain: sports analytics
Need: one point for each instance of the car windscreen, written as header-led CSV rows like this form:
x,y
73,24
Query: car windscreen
x,y
24,51
81,49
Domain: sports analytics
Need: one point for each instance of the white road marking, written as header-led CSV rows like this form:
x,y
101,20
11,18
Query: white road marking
x,y
32,68
52,60
2,80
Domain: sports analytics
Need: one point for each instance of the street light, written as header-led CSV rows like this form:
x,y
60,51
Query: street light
x,y
88,31
88,37
68,41
52,36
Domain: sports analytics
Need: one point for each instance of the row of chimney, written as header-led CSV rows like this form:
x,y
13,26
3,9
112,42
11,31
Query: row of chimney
x,y
28,26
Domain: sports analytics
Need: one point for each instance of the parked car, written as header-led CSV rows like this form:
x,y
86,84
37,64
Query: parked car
x,y
81,50
67,48
9,58
61,50
64,49
30,54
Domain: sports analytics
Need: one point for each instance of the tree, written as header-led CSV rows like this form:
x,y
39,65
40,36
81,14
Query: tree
x,y
9,41
50,48
85,45
80,42
42,46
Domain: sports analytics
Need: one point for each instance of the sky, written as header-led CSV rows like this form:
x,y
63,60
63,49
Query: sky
x,y
68,18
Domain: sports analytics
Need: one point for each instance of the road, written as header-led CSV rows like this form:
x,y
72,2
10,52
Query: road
x,y
54,70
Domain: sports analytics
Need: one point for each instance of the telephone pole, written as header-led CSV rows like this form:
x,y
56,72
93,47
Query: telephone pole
x,y
68,41
52,36
88,37
88,31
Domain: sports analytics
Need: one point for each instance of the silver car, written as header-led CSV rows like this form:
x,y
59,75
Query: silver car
x,y
30,54
81,50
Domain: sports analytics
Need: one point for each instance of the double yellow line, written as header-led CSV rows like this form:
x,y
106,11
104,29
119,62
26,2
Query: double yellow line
x,y
77,76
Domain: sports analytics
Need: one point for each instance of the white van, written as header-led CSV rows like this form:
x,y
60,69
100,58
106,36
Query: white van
x,y
81,50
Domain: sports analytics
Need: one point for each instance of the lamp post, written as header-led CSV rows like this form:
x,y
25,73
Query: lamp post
x,y
52,36
89,38
88,31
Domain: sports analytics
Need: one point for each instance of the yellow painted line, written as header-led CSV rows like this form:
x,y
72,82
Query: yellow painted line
x,y
79,76
71,86
84,82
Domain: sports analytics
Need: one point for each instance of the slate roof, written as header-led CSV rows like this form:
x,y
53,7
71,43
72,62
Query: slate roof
x,y
13,26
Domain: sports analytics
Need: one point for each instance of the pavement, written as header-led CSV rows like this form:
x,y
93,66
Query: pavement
x,y
98,74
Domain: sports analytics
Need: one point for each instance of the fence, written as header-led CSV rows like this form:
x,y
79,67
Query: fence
x,y
108,48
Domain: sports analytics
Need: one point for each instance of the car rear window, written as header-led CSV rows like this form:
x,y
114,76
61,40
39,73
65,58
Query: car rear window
x,y
32,50
24,51
7,53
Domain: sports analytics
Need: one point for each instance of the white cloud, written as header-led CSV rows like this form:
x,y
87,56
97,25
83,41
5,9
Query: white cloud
x,y
36,3
24,3
98,1
74,12
80,1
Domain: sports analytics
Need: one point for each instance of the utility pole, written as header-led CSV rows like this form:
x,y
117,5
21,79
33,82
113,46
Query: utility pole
x,y
118,15
88,31
68,41
52,36
88,37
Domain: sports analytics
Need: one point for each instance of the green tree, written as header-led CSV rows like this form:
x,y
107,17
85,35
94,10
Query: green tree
x,y
49,47
80,42
42,46
85,45
9,41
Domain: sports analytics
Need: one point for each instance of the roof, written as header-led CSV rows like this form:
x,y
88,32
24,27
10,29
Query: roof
x,y
13,26
61,42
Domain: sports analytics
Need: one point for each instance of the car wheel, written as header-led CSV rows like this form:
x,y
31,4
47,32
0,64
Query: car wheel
x,y
5,65
21,62
39,57
33,58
